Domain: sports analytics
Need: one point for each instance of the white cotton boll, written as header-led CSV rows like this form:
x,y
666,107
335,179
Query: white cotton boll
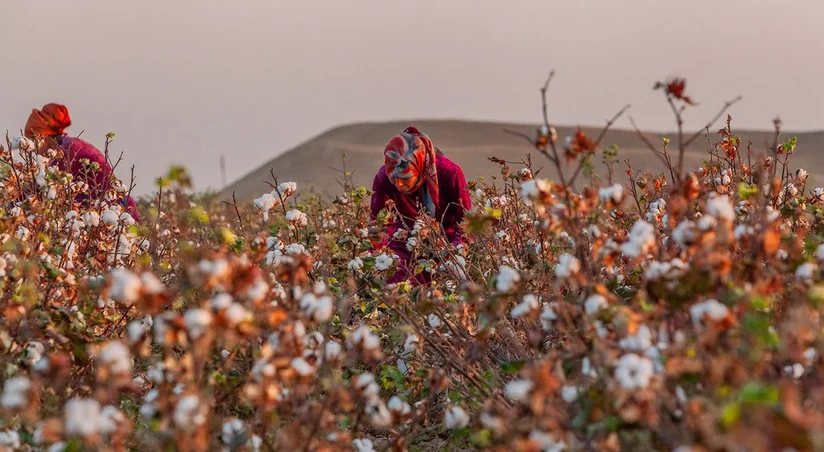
x,y
593,232
82,417
23,234
656,210
712,309
197,322
819,252
508,279
220,302
805,272
22,144
601,330
410,345
355,265
302,367
496,424
397,405
434,321
116,357
796,370
568,265
295,249
634,372
236,314
455,418
546,442
614,193
110,419
383,262
297,218
10,439
666,270
707,223
518,390
641,340
532,189
34,352
189,413
743,230
569,393
266,203
379,415
363,445
151,284
126,219
110,217
287,188
366,385
332,350
529,304
586,368
126,286
257,291
641,240
318,309
15,393
594,303
231,431
548,315
721,207
810,354
363,337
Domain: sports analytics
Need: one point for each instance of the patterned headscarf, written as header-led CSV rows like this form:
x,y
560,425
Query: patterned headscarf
x,y
50,121
410,154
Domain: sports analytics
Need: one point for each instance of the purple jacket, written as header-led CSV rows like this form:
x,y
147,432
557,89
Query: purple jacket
x,y
453,202
75,150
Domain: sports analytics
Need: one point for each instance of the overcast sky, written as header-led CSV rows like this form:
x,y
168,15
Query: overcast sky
x,y
184,81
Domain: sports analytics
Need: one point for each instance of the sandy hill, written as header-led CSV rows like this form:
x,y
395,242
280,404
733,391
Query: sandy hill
x,y
314,164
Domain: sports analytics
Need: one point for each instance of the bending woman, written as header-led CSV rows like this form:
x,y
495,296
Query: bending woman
x,y
49,124
419,179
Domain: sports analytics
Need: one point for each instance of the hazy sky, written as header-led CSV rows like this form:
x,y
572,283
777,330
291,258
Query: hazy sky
x,y
184,81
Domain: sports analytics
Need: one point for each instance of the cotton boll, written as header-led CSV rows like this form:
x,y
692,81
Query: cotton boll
x,y
455,418
508,278
518,390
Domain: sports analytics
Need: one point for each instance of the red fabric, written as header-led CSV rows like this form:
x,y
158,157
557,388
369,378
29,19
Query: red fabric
x,y
75,151
52,120
453,201
411,154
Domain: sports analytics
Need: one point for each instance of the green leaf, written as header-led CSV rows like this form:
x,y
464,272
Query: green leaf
x,y
730,414
746,191
512,367
756,393
481,438
391,377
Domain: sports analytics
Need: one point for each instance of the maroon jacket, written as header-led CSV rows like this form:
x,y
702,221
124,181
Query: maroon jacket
x,y
75,150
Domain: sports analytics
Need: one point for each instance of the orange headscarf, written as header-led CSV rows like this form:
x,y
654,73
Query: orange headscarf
x,y
52,120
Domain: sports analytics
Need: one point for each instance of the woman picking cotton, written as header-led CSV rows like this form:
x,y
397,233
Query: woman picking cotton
x,y
80,158
424,186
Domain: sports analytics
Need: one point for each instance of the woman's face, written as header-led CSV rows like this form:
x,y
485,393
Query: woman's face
x,y
407,184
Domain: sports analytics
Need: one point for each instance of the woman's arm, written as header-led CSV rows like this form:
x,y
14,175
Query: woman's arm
x,y
379,194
